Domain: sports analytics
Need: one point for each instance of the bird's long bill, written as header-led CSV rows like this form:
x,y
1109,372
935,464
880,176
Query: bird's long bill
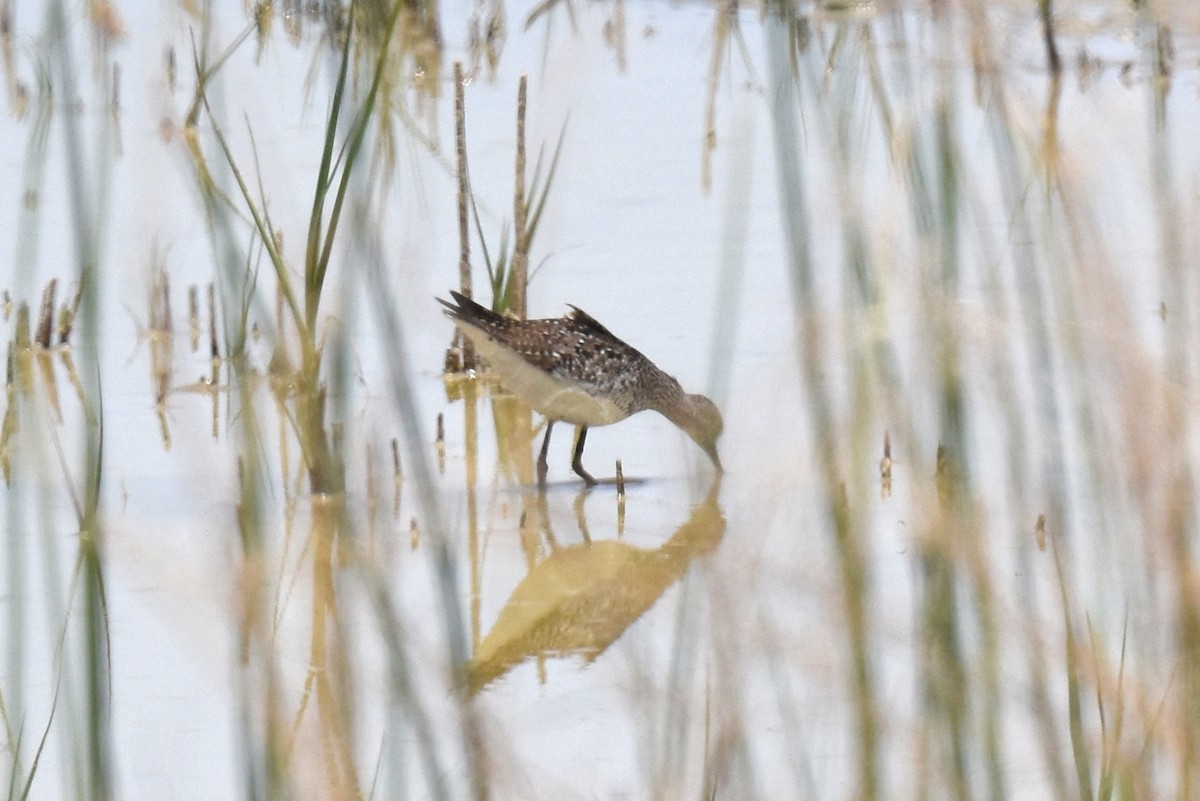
x,y
711,450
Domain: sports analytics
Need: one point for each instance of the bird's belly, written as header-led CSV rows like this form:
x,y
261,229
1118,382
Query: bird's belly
x,y
557,398
572,404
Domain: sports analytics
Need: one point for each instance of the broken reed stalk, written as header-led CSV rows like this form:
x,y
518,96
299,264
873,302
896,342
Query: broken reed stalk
x,y
519,280
194,316
885,468
469,361
46,315
212,323
172,69
440,442
168,325
66,321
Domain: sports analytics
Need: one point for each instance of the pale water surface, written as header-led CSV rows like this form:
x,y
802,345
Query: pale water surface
x,y
697,636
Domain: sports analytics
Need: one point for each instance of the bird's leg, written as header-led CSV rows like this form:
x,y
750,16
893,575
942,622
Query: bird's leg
x,y
541,462
577,459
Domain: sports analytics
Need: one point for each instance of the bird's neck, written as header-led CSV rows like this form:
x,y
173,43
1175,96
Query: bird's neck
x,y
674,404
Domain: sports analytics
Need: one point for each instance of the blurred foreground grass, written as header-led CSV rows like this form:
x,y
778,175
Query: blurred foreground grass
x,y
975,305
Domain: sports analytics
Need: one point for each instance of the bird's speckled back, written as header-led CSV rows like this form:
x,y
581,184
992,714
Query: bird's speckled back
x,y
577,347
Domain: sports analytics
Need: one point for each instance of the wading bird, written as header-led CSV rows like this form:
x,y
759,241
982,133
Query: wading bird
x,y
573,369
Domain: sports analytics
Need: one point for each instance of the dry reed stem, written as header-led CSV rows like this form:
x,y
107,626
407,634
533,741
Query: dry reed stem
x,y
469,360
519,281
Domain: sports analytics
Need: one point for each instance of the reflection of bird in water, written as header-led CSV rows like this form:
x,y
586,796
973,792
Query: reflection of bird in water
x,y
573,369
582,598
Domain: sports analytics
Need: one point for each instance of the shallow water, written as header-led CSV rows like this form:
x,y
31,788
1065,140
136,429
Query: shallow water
x,y
1027,307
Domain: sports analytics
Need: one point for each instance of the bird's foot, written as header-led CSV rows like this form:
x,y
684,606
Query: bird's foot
x,y
585,475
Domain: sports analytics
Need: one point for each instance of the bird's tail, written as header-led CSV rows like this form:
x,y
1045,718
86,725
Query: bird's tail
x,y
467,310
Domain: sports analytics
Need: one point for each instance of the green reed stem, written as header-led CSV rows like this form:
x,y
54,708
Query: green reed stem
x,y
315,271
